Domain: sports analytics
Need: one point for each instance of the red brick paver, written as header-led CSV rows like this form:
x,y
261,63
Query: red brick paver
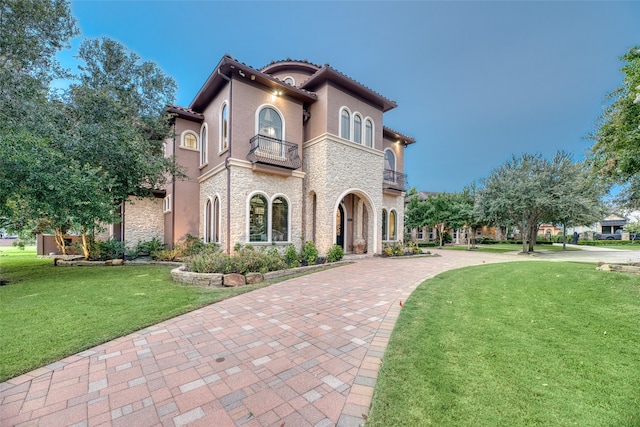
x,y
304,352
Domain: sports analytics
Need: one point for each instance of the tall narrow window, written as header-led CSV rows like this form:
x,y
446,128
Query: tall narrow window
x,y
203,145
357,129
345,124
215,220
389,166
224,127
392,226
258,216
368,133
207,222
384,224
280,220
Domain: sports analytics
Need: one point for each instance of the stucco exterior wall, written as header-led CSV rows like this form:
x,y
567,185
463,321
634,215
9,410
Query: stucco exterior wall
x,y
143,220
336,168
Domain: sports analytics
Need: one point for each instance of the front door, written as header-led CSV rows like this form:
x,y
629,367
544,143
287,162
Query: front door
x,y
340,226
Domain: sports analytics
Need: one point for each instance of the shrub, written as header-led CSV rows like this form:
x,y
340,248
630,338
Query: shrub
x,y
245,260
309,253
291,256
150,248
336,253
104,250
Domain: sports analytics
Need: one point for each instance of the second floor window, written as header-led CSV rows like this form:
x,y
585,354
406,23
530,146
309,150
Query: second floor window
x,y
368,133
190,141
357,129
345,124
203,146
224,127
270,123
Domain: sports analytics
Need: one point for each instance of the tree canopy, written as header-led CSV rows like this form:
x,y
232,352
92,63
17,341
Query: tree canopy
x,y
69,157
615,155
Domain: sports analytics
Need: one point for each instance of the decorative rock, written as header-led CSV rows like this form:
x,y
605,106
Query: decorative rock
x,y
233,280
117,262
253,278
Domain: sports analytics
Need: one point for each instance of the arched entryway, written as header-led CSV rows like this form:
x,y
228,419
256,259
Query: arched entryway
x,y
354,219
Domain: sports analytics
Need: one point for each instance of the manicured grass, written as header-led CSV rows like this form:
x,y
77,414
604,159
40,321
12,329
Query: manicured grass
x,y
500,248
515,344
51,312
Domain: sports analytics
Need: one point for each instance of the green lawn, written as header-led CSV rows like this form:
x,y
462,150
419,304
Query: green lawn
x,y
515,344
501,248
51,312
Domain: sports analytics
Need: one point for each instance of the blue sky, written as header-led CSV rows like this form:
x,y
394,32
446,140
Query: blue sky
x,y
475,82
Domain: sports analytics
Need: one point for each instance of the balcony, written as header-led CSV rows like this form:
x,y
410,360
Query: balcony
x,y
392,180
275,152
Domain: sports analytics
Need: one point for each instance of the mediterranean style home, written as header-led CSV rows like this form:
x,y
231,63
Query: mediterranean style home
x,y
288,153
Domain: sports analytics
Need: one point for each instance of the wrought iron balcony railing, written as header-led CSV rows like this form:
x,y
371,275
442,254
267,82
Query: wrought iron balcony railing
x,y
393,180
275,152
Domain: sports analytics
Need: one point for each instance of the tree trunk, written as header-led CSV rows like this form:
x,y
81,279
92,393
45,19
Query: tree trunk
x,y
85,245
533,234
58,236
440,233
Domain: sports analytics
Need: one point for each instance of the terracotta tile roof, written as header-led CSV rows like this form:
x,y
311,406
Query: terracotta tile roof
x,y
185,112
398,135
281,61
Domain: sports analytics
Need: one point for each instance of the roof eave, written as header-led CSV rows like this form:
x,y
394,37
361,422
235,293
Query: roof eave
x,y
230,68
328,73
393,134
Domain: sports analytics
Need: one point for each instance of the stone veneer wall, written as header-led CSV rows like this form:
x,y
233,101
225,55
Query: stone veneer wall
x,y
397,203
336,167
143,220
244,183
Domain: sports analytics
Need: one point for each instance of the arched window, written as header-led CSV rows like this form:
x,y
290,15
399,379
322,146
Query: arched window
x,y
345,124
389,166
368,133
357,129
270,123
393,226
207,221
224,127
280,220
384,224
289,80
204,144
189,140
258,216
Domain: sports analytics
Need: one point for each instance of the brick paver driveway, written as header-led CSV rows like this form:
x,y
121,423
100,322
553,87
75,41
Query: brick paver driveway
x,y
304,352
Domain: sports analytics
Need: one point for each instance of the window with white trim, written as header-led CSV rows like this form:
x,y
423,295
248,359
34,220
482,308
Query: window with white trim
x,y
393,225
368,133
384,224
189,140
357,129
204,143
289,80
345,124
166,204
224,127
258,218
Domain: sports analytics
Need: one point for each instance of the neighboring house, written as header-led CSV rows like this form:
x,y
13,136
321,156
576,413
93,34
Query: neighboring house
x,y
288,153
549,230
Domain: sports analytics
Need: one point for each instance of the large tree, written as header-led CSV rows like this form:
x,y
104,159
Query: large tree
x,y
68,159
529,189
615,155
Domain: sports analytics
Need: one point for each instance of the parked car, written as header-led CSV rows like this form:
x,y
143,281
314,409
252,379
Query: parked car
x,y
616,236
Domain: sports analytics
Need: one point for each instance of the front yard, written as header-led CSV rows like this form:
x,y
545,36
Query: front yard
x,y
515,344
51,312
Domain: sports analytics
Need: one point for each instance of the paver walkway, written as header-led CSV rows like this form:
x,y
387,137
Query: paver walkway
x,y
304,352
